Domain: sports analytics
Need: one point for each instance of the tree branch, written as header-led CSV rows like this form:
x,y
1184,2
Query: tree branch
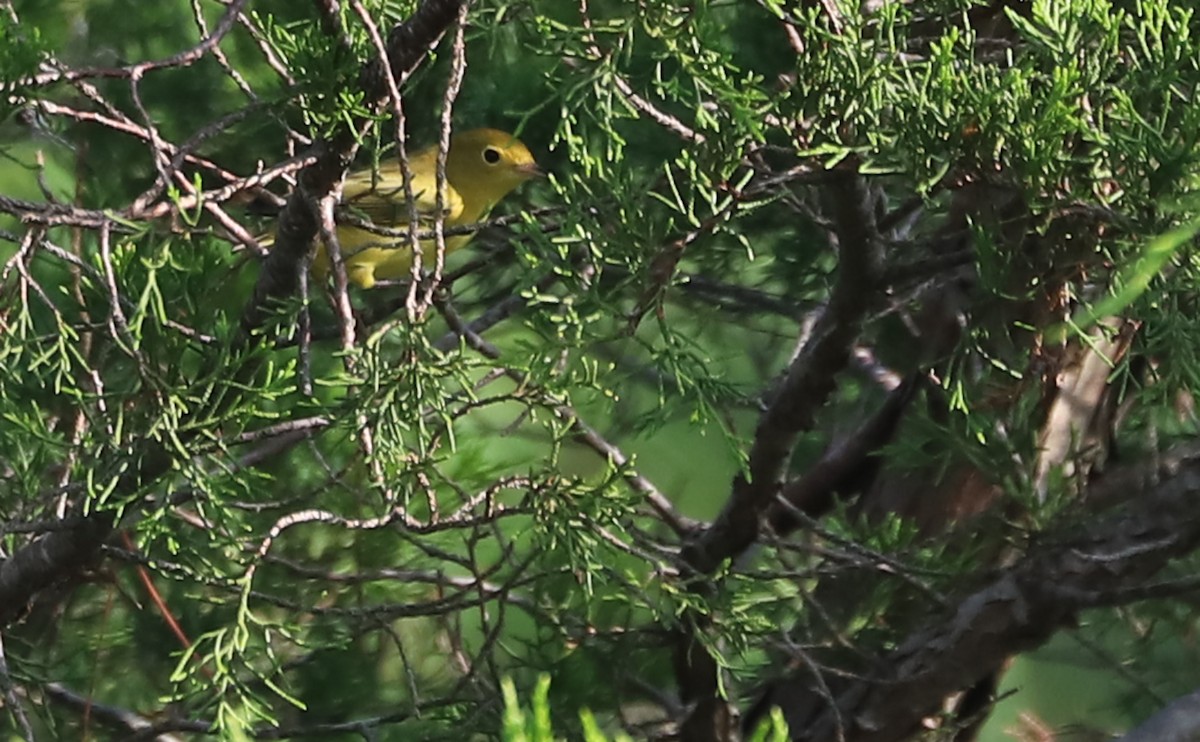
x,y
847,460
1021,608
407,45
809,381
56,555
1178,721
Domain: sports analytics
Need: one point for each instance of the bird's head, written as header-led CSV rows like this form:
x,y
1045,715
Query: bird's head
x,y
484,165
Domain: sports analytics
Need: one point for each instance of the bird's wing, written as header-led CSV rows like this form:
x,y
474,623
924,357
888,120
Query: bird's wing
x,y
379,195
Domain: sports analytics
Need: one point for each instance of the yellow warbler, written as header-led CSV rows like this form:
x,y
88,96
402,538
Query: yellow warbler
x,y
482,167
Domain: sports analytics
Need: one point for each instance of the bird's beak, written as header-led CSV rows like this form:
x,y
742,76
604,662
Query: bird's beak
x,y
531,170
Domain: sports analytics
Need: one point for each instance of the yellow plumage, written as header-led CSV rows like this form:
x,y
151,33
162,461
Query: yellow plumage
x,y
482,167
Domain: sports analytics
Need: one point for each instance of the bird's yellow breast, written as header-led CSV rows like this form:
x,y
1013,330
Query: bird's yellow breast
x,y
482,167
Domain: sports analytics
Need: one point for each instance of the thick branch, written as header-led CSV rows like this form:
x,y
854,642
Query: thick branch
x,y
47,560
844,463
57,555
810,378
1022,608
1179,721
408,43
809,381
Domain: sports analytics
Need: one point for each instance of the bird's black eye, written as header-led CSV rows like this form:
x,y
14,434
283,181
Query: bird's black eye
x,y
491,155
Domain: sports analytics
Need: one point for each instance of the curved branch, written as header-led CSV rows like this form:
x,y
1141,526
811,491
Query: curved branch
x,y
1022,607
809,381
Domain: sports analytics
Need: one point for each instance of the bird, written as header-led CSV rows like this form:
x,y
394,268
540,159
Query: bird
x,y
482,167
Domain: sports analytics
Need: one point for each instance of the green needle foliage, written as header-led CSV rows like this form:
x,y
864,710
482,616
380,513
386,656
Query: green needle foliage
x,y
393,513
